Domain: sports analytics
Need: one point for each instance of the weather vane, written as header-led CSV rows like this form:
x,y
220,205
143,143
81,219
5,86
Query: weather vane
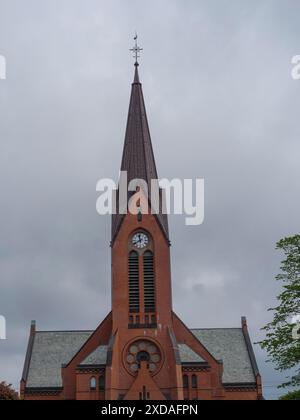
x,y
136,50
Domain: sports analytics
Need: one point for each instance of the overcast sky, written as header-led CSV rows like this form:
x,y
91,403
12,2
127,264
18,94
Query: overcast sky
x,y
221,104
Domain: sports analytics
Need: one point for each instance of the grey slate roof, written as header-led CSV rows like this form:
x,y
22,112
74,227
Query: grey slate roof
x,y
50,351
229,345
187,355
97,357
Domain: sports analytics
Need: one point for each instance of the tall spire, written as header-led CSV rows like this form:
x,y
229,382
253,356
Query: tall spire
x,y
138,157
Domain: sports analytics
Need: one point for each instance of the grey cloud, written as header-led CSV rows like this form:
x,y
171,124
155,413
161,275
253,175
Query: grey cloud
x,y
218,90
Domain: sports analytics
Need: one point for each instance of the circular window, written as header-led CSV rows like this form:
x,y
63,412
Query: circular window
x,y
152,367
134,349
130,358
142,351
155,358
134,367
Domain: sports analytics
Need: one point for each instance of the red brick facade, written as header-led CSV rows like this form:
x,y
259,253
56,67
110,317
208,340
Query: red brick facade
x,y
167,382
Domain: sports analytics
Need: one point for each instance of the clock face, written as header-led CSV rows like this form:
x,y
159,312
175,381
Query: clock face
x,y
140,240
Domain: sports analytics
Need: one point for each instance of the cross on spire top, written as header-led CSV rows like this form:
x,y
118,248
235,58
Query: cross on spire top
x,y
136,50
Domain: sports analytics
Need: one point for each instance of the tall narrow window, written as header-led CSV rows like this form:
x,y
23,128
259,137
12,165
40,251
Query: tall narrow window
x,y
144,396
149,286
93,384
194,382
102,383
134,292
185,381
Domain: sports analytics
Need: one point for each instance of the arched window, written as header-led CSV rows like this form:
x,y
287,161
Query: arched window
x,y
134,292
149,286
194,382
101,383
185,381
93,384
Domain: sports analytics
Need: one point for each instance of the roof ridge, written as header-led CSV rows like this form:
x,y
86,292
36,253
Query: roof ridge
x,y
216,329
64,331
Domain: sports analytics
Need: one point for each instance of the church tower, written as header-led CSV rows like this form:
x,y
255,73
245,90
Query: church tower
x,y
144,356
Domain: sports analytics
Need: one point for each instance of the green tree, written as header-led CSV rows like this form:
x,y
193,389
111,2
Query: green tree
x,y
282,337
7,393
291,396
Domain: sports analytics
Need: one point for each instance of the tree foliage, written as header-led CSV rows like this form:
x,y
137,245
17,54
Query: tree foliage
x,y
7,393
280,343
291,396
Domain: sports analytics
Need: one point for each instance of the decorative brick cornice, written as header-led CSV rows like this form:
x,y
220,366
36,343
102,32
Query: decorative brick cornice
x,y
90,369
195,368
43,392
240,387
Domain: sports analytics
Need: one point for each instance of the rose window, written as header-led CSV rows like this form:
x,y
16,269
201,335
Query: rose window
x,y
143,351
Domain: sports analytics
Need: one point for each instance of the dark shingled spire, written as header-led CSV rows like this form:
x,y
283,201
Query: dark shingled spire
x,y
138,157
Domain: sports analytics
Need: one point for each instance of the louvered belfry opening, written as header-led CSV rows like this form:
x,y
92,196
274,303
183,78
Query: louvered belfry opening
x,y
142,290
149,284
134,289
